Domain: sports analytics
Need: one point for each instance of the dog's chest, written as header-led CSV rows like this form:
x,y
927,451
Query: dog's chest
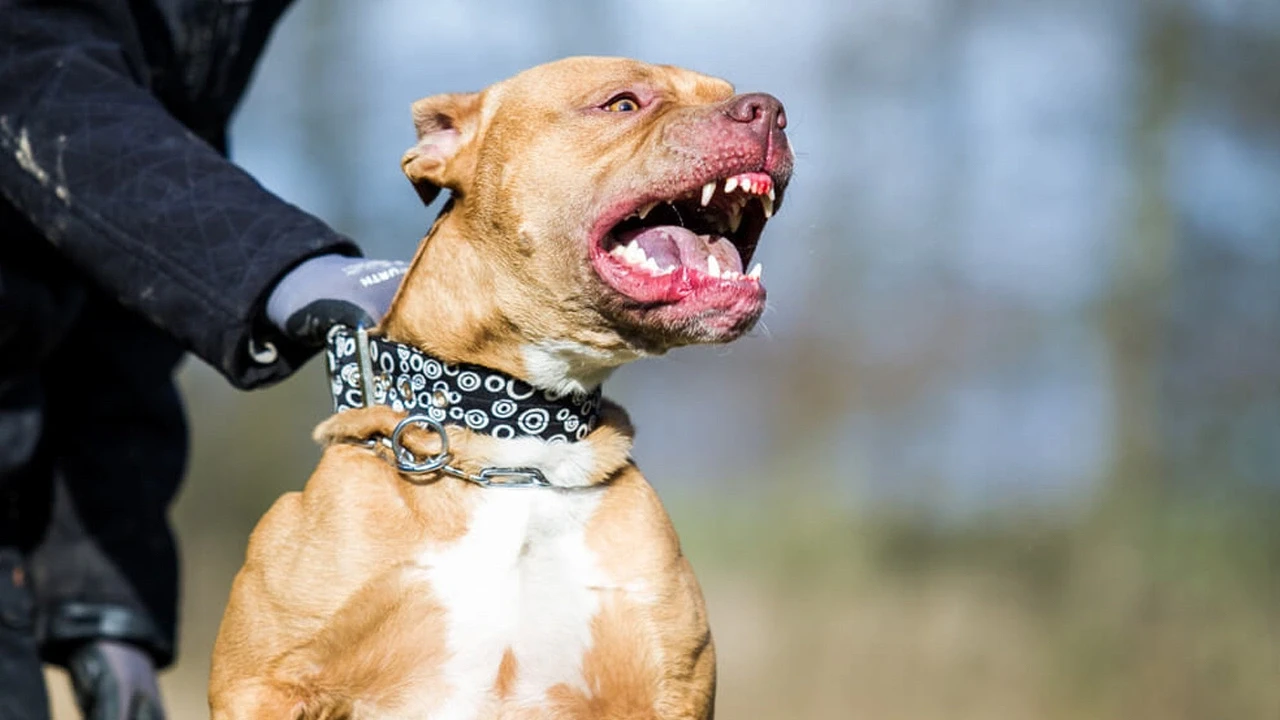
x,y
522,579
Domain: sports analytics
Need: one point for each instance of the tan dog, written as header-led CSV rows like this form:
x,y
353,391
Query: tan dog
x,y
602,211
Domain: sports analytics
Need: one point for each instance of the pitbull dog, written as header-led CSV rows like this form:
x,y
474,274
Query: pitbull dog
x,y
602,210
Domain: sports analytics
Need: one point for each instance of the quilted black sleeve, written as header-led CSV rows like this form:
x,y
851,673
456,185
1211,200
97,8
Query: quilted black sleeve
x,y
150,212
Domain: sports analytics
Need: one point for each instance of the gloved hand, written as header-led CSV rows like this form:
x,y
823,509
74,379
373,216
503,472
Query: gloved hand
x,y
115,681
332,289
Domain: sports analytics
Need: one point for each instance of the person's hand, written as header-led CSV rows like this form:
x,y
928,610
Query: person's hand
x,y
115,681
332,289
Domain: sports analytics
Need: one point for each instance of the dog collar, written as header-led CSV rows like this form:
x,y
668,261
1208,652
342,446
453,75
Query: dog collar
x,y
366,371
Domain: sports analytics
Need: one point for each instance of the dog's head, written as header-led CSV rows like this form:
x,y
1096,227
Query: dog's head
x,y
618,203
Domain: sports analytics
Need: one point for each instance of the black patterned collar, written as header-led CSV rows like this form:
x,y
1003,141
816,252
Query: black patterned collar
x,y
408,380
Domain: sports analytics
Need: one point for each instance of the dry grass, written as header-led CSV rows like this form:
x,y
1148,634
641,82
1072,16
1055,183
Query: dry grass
x,y
1149,608
1172,614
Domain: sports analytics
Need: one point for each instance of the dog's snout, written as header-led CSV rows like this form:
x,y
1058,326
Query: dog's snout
x,y
760,109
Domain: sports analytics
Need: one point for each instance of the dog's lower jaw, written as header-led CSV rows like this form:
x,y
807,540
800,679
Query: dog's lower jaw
x,y
469,302
456,310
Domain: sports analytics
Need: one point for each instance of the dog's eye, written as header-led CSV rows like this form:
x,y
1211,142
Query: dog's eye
x,y
625,102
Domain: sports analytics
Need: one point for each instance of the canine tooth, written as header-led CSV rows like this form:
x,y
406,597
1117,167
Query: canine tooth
x,y
771,195
731,184
642,212
756,271
707,191
768,206
713,266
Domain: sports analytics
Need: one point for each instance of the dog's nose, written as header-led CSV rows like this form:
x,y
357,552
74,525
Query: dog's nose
x,y
759,109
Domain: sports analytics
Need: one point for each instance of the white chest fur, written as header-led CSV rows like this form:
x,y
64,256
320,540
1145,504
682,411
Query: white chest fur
x,y
522,577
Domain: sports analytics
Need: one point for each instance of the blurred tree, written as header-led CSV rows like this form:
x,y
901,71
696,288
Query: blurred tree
x,y
330,107
1136,312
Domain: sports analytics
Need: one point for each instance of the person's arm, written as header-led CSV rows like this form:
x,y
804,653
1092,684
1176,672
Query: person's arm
x,y
146,209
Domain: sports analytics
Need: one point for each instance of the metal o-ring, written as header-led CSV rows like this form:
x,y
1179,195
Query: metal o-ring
x,y
433,463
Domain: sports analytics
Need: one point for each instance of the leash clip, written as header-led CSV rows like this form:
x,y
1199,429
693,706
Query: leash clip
x,y
407,462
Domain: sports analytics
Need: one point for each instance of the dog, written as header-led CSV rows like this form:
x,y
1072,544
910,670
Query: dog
x,y
499,555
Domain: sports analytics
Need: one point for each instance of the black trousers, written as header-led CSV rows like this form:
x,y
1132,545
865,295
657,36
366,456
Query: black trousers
x,y
92,449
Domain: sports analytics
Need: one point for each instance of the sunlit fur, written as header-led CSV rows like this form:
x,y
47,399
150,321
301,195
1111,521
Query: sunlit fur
x,y
371,594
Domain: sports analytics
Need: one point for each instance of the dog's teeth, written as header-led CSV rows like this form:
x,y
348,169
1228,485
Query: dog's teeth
x,y
642,212
651,265
707,191
634,254
768,206
735,218
756,271
771,195
713,266
730,185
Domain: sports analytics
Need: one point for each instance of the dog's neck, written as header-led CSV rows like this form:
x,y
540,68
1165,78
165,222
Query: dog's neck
x,y
463,307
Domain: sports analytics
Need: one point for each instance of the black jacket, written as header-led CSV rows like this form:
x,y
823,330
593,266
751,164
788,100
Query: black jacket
x,y
125,237
113,118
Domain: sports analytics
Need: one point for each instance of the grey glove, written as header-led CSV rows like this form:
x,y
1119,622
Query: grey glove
x,y
115,681
333,289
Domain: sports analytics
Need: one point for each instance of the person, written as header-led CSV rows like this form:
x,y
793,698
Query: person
x,y
126,239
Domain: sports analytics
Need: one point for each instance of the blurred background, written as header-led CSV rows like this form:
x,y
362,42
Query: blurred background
x,y
1007,443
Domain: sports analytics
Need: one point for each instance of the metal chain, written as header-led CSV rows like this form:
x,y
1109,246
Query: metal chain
x,y
407,462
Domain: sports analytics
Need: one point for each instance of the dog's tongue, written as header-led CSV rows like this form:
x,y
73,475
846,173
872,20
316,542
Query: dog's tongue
x,y
673,246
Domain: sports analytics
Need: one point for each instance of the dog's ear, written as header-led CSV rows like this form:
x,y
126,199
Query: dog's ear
x,y
446,125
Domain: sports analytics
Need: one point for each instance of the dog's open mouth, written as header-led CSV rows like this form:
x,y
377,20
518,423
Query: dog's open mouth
x,y
667,249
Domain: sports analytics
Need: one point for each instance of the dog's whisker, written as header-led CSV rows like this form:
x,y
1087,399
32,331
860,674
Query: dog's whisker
x,y
762,329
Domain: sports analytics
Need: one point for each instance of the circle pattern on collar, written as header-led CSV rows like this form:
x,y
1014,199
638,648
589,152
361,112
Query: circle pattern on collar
x,y
484,400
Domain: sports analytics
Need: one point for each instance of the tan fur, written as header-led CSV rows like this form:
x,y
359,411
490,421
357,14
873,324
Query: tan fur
x,y
332,615
493,278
